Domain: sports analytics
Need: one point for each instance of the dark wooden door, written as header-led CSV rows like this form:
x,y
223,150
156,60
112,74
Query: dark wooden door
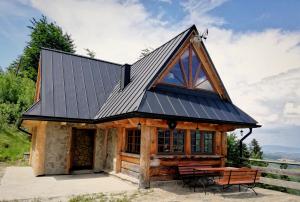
x,y
82,149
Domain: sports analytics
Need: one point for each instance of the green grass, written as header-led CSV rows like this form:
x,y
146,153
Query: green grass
x,y
116,197
13,144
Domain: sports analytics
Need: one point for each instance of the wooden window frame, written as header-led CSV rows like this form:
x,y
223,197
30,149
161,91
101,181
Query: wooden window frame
x,y
189,82
171,141
134,131
202,142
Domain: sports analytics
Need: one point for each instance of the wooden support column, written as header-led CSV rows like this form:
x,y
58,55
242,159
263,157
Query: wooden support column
x,y
39,165
145,157
187,144
153,149
218,143
121,132
224,144
33,143
224,148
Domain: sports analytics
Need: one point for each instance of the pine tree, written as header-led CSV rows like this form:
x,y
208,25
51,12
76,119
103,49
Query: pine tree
x,y
43,34
255,150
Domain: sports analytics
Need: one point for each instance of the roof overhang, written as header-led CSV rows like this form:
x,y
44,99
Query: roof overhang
x,y
138,115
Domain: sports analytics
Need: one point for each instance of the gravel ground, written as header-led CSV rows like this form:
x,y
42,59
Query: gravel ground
x,y
2,170
18,184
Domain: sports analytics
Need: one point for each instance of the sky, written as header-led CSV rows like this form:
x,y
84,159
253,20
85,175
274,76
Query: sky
x,y
255,45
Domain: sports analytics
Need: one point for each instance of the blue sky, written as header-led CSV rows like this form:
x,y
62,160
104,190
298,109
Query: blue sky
x,y
255,45
238,15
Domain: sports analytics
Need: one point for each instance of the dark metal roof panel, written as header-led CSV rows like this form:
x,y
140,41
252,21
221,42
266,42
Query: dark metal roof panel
x,y
143,72
73,86
195,106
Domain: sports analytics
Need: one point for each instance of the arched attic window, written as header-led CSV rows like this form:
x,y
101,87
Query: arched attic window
x,y
188,72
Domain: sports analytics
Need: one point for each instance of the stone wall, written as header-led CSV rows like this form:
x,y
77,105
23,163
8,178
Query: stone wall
x,y
99,151
110,161
51,144
56,148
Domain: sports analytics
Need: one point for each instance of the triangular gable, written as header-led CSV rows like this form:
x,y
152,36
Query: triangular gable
x,y
192,68
188,72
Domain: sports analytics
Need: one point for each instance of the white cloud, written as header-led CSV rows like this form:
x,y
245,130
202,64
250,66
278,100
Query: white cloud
x,y
116,31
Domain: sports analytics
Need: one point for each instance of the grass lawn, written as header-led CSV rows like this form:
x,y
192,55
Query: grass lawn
x,y
13,144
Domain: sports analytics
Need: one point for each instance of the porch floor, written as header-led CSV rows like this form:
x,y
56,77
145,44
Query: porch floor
x,y
20,183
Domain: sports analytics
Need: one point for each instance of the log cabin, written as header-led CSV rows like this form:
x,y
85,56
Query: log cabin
x,y
141,120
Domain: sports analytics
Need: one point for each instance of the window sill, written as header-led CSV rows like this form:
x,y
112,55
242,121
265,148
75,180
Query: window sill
x,y
130,155
179,156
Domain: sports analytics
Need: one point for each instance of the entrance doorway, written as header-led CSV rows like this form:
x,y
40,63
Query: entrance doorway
x,y
82,149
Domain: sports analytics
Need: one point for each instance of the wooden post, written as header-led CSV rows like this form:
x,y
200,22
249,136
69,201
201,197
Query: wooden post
x,y
224,147
153,149
145,157
39,166
218,143
33,143
121,132
187,145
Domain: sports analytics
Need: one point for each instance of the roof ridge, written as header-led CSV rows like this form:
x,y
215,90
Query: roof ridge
x,y
193,26
77,55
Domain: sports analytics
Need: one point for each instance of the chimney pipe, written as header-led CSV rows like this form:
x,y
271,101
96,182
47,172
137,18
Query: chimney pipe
x,y
125,76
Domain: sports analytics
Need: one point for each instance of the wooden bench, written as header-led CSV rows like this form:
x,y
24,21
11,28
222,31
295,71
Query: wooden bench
x,y
243,177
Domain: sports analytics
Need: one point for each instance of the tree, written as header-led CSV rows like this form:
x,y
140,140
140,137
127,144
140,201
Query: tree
x,y
255,150
16,95
233,151
90,53
145,52
43,34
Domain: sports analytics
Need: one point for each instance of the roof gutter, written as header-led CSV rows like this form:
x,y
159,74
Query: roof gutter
x,y
241,144
21,129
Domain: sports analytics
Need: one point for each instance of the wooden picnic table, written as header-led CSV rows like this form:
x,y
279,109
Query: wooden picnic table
x,y
211,173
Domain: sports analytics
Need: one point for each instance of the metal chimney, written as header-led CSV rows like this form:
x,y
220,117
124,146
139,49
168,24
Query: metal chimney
x,y
125,76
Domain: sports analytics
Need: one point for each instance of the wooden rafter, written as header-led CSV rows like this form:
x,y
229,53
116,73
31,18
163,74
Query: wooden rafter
x,y
197,74
190,84
183,72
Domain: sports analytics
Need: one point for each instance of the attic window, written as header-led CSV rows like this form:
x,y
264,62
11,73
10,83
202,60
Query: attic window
x,y
188,72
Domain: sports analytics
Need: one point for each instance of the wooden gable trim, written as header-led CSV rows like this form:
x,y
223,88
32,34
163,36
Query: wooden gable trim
x,y
174,60
38,85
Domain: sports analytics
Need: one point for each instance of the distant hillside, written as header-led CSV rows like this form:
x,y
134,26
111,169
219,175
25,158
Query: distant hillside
x,y
279,148
281,152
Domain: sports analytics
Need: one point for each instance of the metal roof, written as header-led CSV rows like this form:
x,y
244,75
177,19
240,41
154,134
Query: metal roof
x,y
143,72
80,88
172,101
73,86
